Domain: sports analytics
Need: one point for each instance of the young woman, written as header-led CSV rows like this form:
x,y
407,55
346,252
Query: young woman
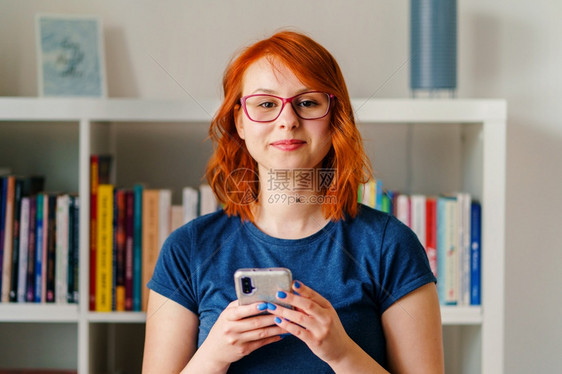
x,y
287,166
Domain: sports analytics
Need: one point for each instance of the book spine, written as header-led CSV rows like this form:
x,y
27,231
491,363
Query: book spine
x,y
121,242
129,234
44,251
137,247
464,200
39,248
51,248
418,217
30,283
23,249
76,250
104,248
62,236
189,202
18,190
69,281
8,241
431,233
403,209
452,256
3,197
475,259
150,238
94,182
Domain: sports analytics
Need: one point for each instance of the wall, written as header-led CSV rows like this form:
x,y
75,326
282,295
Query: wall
x,y
507,49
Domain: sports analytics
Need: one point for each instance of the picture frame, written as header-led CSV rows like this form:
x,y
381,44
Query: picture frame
x,y
70,56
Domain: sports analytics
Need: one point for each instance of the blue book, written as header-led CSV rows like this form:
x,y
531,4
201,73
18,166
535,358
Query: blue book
x,y
39,248
475,252
137,247
3,197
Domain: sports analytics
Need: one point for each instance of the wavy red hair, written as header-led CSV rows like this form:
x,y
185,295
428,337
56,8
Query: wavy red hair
x,y
317,69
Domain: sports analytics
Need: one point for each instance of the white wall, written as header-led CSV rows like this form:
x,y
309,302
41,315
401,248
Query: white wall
x,y
507,49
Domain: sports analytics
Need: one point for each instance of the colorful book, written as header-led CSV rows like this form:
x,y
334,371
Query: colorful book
x,y
32,246
463,216
18,191
129,249
40,206
104,248
94,183
447,251
120,241
418,217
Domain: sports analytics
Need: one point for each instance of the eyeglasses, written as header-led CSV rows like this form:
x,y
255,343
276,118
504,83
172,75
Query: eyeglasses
x,y
267,108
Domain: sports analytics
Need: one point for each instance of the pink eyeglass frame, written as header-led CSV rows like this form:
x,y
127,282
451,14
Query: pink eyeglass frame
x,y
285,101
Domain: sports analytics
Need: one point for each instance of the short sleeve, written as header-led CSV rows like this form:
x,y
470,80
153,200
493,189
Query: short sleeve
x,y
404,264
172,276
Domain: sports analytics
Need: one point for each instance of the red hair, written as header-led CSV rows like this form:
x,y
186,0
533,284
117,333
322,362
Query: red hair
x,y
231,170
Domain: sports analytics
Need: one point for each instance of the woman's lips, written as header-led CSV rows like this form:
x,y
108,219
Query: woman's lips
x,y
288,144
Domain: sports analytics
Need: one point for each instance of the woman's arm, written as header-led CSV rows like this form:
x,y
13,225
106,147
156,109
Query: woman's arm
x,y
412,327
171,335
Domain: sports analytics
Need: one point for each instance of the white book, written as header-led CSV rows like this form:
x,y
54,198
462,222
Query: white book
x,y
207,202
176,220
464,202
23,249
418,217
61,245
164,215
403,209
190,200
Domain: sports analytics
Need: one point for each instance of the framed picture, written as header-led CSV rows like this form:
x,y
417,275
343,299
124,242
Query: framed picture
x,y
70,54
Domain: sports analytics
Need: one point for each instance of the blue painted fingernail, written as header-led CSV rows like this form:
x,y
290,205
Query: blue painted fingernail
x,y
271,306
297,284
277,320
262,306
281,294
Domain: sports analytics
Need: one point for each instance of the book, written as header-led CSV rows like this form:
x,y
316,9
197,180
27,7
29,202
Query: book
x,y
190,201
62,248
137,246
23,250
40,206
73,273
120,242
51,248
475,249
3,197
418,217
207,200
104,248
32,245
8,239
447,250
403,209
18,191
150,238
431,233
463,216
129,248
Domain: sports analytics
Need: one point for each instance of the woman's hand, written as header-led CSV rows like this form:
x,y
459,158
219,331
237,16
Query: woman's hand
x,y
235,335
314,321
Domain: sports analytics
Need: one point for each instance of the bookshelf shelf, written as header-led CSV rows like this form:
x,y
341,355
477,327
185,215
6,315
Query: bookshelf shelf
x,y
432,146
38,313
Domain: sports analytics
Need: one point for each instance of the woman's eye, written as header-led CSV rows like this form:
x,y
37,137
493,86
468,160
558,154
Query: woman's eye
x,y
267,104
307,103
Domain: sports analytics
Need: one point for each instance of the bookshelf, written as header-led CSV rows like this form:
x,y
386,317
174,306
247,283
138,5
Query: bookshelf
x,y
424,146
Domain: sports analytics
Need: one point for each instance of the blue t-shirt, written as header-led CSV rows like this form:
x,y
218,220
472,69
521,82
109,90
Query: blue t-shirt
x,y
362,265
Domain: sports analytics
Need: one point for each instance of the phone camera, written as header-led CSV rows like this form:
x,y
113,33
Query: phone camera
x,y
247,286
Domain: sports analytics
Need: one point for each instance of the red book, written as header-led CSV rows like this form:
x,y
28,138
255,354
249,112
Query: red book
x,y
431,233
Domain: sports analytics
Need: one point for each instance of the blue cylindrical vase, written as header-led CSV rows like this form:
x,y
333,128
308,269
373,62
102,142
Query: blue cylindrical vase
x,y
433,45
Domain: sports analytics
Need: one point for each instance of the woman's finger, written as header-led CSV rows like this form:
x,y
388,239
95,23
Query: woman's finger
x,y
307,292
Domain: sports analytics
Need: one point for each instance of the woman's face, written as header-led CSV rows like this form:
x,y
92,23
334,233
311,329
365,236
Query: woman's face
x,y
288,142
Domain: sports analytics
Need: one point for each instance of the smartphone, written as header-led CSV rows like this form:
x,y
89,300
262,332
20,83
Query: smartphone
x,y
261,284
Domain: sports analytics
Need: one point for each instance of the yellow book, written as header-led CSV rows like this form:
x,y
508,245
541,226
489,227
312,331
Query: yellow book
x,y
150,238
104,253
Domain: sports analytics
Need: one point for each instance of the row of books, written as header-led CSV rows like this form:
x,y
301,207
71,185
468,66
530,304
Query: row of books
x,y
39,242
449,228
128,227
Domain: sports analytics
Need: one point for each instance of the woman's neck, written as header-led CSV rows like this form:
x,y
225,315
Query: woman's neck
x,y
287,210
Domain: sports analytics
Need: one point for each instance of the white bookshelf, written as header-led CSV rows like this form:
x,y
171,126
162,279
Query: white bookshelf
x,y
414,133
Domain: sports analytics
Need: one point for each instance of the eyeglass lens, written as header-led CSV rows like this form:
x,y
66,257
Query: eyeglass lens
x,y
308,105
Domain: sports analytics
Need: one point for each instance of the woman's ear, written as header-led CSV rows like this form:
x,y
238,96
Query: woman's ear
x,y
238,121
